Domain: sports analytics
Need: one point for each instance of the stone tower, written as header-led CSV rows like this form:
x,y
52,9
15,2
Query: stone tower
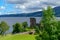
x,y
32,22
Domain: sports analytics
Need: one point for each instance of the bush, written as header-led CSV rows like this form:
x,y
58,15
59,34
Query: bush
x,y
20,27
43,36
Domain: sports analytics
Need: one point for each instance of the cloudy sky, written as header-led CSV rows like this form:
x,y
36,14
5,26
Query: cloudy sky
x,y
25,6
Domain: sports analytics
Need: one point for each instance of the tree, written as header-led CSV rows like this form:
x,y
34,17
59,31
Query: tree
x,y
25,25
49,21
21,28
3,27
17,28
48,25
58,30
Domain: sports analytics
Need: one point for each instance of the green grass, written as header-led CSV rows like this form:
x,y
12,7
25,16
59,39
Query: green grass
x,y
18,37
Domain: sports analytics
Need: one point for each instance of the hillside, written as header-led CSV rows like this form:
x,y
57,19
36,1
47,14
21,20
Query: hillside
x,y
18,37
35,14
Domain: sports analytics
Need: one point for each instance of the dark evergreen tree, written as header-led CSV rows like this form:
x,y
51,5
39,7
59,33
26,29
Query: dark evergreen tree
x,y
16,28
25,24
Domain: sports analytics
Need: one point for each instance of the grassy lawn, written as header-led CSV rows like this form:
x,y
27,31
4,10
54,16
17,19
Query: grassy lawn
x,y
18,37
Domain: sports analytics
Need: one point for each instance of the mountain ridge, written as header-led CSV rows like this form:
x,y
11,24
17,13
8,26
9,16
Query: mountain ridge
x,y
35,14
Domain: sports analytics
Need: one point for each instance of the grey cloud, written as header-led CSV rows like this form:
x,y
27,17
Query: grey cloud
x,y
16,1
33,5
